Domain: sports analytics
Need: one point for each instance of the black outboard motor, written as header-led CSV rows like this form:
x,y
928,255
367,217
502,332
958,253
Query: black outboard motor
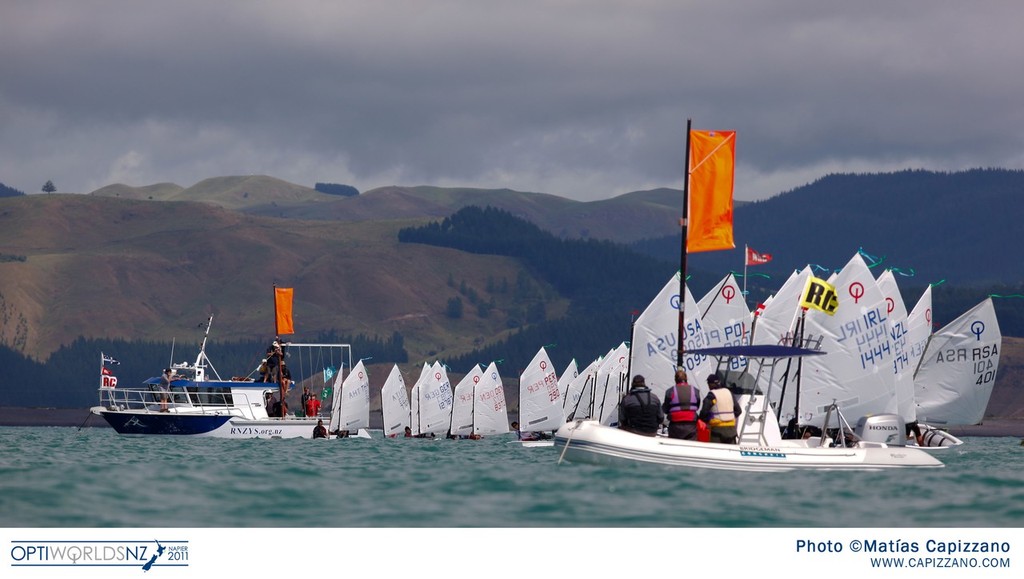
x,y
882,428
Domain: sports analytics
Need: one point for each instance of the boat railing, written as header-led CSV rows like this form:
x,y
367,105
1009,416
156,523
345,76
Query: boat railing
x,y
842,428
189,399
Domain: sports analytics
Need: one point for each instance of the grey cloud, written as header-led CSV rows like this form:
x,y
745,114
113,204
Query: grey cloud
x,y
580,99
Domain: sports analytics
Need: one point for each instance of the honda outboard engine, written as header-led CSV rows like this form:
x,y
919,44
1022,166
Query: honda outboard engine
x,y
884,428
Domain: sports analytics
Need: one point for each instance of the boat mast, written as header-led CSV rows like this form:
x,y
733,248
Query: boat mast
x,y
682,252
282,386
201,359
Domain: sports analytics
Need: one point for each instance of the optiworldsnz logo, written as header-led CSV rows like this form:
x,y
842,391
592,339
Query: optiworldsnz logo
x,y
144,555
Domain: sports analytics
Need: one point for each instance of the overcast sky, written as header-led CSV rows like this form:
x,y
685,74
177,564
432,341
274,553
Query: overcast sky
x,y
585,99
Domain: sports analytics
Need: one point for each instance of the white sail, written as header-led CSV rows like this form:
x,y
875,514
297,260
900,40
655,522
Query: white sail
x,y
355,399
612,385
462,402
540,401
579,398
490,413
958,370
777,320
655,340
435,398
394,404
568,375
415,420
335,422
726,319
919,329
856,371
774,324
899,333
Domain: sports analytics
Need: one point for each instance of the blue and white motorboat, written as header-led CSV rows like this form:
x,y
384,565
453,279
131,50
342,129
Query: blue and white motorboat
x,y
194,401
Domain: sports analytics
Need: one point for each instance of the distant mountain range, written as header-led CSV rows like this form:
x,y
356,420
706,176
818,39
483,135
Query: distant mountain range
x,y
936,226
149,262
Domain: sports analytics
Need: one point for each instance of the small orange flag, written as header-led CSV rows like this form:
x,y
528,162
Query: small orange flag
x,y
712,170
283,310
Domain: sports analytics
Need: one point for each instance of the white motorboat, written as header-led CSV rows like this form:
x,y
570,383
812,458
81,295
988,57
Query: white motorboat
x,y
877,444
194,404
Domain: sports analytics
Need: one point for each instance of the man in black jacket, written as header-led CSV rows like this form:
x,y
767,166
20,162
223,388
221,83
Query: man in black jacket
x,y
640,411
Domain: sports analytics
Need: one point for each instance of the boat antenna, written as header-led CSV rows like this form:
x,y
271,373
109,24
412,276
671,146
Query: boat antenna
x,y
206,334
682,252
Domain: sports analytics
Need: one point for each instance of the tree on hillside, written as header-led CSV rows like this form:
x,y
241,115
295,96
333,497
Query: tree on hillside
x,y
49,187
337,189
454,310
6,191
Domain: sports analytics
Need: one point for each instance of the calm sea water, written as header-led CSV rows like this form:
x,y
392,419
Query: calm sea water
x,y
65,477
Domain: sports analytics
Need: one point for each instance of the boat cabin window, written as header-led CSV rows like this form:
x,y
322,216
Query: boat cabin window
x,y
210,396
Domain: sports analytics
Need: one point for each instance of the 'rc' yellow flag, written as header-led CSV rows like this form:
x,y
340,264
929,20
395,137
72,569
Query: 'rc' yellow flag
x,y
820,295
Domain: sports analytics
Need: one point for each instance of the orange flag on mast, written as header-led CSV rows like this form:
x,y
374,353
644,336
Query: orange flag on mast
x,y
712,168
283,310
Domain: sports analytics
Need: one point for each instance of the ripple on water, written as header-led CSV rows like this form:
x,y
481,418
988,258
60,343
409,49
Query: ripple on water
x,y
63,477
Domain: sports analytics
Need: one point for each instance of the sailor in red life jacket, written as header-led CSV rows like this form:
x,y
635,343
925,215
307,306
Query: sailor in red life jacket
x,y
720,410
681,404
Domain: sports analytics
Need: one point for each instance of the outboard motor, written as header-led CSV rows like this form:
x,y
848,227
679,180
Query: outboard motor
x,y
882,428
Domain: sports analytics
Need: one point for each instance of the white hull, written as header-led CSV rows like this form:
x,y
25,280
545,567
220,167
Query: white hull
x,y
533,443
589,442
274,428
937,439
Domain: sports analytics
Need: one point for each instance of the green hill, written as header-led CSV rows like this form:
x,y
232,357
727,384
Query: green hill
x,y
109,267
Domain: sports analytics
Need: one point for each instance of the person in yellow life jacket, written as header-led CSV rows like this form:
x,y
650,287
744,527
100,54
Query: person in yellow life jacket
x,y
682,402
721,411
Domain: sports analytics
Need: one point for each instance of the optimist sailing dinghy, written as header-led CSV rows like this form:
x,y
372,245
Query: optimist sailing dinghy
x,y
877,444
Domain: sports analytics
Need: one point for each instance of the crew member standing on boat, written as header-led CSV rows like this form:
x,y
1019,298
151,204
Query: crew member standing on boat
x,y
278,372
640,411
720,410
310,403
681,405
165,388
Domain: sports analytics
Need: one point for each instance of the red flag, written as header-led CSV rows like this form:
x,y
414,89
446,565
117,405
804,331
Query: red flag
x,y
755,258
107,378
712,167
283,310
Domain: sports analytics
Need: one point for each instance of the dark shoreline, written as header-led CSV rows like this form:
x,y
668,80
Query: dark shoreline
x,y
12,416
